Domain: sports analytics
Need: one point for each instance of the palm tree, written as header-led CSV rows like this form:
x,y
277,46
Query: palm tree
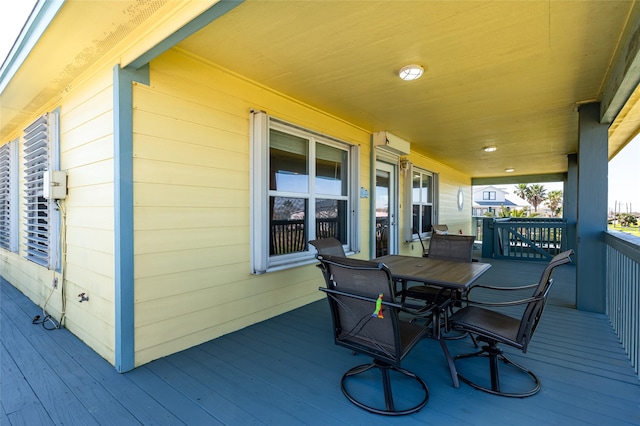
x,y
554,201
521,190
536,195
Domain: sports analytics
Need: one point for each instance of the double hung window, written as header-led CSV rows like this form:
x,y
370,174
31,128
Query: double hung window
x,y
489,195
303,186
423,205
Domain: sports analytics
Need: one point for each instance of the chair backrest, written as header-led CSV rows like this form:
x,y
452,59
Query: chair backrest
x,y
451,247
534,309
358,322
440,229
328,246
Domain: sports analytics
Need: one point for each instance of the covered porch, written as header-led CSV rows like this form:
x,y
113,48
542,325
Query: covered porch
x,y
287,370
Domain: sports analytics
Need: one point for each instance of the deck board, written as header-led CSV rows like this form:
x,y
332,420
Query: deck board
x,y
287,371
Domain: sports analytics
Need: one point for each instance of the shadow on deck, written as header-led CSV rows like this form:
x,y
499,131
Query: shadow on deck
x,y
287,371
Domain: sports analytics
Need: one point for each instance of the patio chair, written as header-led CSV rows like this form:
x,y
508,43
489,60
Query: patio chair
x,y
365,320
494,327
329,246
445,247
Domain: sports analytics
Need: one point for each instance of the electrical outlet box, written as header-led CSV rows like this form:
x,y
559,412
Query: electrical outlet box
x,y
55,185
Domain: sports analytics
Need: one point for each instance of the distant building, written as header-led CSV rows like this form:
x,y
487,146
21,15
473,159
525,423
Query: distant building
x,y
488,199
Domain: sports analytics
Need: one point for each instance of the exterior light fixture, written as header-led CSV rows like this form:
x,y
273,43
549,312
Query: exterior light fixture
x,y
411,72
509,170
490,148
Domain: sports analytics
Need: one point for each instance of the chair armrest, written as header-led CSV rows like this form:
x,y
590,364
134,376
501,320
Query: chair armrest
x,y
503,304
490,287
400,307
356,296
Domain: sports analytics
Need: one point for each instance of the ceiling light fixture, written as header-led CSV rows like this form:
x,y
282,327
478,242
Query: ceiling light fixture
x,y
411,72
509,170
490,148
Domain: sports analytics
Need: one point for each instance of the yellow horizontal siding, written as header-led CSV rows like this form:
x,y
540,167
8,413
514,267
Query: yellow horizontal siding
x,y
215,155
192,193
86,129
167,240
95,217
184,174
170,285
150,218
185,261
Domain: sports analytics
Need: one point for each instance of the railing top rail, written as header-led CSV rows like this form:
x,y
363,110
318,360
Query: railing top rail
x,y
625,243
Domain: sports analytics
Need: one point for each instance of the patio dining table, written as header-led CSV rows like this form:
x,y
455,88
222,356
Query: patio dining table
x,y
458,276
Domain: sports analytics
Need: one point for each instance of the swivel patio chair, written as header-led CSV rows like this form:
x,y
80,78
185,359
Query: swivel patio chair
x,y
365,320
492,328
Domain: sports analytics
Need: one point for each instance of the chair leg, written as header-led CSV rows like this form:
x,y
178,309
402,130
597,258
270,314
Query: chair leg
x,y
451,363
390,406
495,354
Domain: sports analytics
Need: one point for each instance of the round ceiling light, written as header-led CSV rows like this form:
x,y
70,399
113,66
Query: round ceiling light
x,y
411,72
490,148
509,170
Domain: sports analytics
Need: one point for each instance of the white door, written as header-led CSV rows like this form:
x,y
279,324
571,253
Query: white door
x,y
386,226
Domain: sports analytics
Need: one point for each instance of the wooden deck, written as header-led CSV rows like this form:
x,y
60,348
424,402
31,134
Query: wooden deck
x,y
286,371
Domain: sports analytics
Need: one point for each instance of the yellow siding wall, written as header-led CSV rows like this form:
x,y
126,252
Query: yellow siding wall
x,y
86,152
191,206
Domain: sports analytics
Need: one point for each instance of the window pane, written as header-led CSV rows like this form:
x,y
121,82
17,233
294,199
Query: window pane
x,y
287,222
427,189
331,170
416,218
383,180
331,219
422,188
426,219
415,194
288,169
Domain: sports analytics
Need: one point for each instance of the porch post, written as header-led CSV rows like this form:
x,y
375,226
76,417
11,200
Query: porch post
x,y
570,201
592,210
123,79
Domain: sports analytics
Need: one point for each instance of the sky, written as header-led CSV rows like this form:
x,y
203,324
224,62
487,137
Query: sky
x,y
624,168
13,15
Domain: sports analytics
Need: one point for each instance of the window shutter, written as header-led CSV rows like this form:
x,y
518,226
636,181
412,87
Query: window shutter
x,y
5,196
36,152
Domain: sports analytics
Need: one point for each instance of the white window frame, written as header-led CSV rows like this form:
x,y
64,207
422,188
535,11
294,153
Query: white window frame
x,y
409,202
9,195
261,260
42,217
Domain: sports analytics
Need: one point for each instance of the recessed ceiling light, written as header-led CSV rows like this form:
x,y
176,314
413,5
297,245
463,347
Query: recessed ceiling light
x,y
490,148
509,170
411,72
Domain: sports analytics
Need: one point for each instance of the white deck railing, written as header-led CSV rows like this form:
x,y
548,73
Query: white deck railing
x,y
623,291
